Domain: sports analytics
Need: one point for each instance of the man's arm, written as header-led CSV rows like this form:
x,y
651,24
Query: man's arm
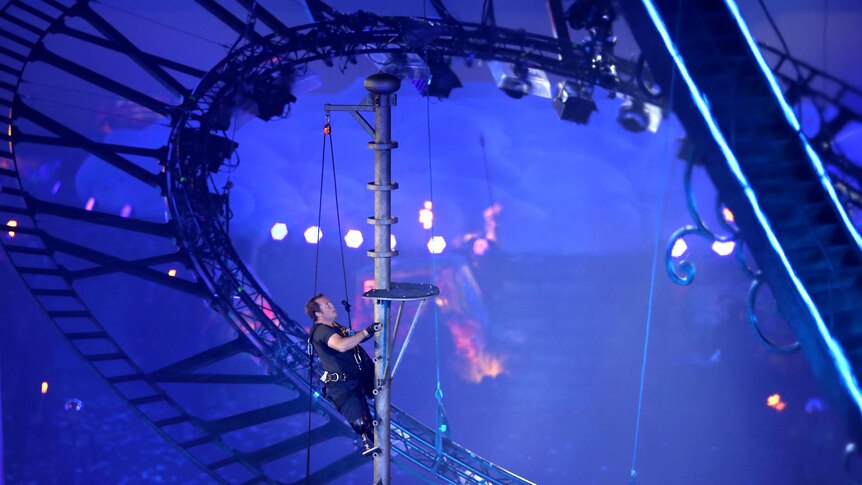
x,y
343,344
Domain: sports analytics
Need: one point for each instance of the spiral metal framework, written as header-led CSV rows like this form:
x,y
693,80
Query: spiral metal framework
x,y
53,264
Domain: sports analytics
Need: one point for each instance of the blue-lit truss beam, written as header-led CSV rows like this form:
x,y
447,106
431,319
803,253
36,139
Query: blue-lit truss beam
x,y
768,174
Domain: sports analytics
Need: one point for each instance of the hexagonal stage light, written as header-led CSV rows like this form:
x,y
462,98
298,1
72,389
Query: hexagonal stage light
x,y
436,245
313,235
278,231
353,238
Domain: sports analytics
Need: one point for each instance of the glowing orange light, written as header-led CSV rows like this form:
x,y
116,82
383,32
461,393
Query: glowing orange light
x,y
484,366
774,401
12,223
172,272
426,215
45,387
367,285
727,214
469,344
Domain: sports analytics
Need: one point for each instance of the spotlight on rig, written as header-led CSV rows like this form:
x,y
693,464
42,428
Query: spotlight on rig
x,y
213,149
272,92
441,80
408,66
517,80
430,75
574,101
637,116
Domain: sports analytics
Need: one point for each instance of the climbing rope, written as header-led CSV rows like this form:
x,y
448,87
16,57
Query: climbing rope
x,y
327,135
656,247
442,425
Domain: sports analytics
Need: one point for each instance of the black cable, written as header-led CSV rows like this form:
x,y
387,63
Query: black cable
x,y
346,301
488,181
799,77
186,32
489,19
310,352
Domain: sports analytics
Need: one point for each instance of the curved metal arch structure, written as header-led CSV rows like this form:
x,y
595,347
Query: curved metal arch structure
x,y
54,261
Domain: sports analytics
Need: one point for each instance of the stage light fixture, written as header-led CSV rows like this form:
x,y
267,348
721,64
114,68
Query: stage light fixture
x,y
431,76
442,79
574,101
278,231
91,202
517,80
633,117
313,235
126,211
407,66
637,116
272,92
353,238
213,149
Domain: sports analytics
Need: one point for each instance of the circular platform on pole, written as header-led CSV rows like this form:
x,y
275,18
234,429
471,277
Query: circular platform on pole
x,y
403,292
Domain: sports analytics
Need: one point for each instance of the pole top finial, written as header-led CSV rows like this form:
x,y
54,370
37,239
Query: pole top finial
x,y
382,83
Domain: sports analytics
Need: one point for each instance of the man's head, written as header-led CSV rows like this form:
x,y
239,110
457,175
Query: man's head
x,y
320,309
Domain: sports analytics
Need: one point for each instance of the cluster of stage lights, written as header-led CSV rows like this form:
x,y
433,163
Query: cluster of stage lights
x,y
354,238
721,248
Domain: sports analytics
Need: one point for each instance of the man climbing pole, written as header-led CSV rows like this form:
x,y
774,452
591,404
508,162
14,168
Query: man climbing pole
x,y
348,370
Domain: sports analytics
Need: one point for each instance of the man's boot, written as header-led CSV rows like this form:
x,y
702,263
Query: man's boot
x,y
368,443
362,427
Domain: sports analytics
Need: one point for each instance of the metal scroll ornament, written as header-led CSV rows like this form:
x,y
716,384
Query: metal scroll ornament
x,y
682,271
